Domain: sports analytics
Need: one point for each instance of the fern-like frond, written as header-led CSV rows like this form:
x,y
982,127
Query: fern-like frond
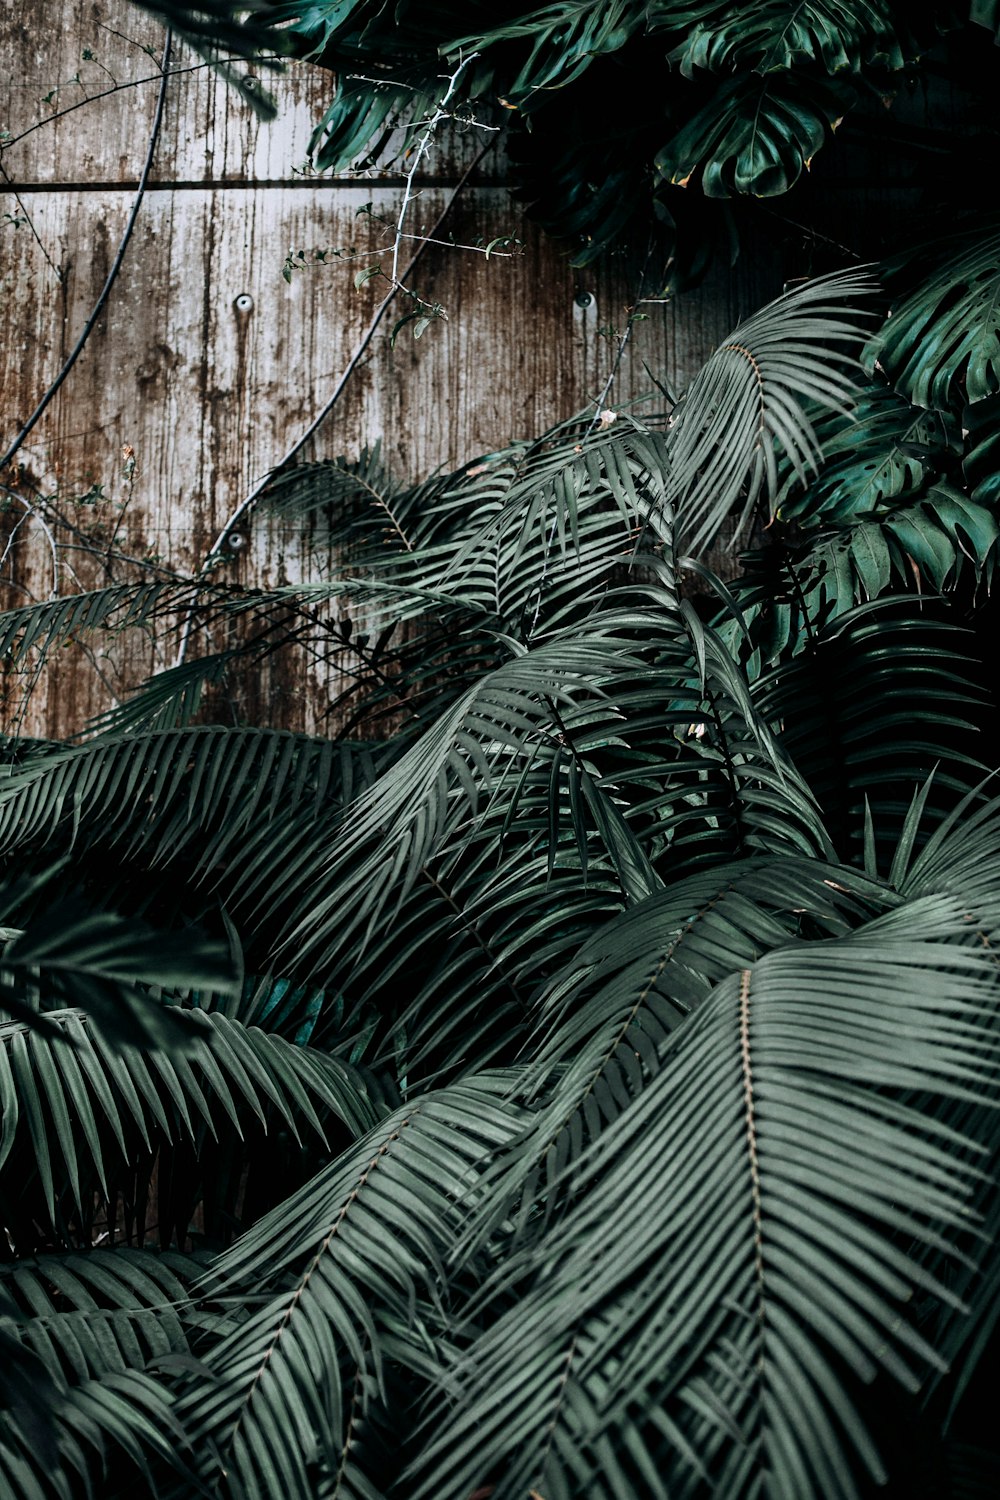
x,y
208,781
339,1272
757,1281
76,1106
515,537
868,708
750,405
602,1025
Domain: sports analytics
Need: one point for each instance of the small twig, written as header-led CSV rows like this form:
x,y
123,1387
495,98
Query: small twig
x,y
123,36
112,276
453,245
808,233
440,114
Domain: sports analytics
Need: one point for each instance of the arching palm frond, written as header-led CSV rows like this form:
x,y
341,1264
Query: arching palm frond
x,y
602,1024
459,763
350,1276
78,1328
511,537
241,626
555,717
628,1365
750,404
160,790
137,1299
35,627
94,1422
77,1108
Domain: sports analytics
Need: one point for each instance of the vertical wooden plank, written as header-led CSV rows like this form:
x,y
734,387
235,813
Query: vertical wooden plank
x,y
188,393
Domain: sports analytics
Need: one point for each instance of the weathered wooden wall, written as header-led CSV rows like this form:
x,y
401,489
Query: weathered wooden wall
x,y
208,395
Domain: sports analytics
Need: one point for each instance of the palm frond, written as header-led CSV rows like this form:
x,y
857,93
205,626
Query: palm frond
x,y
749,406
206,782
129,1412
602,1024
97,1325
547,719
106,965
866,711
341,1270
606,1368
513,537
75,1107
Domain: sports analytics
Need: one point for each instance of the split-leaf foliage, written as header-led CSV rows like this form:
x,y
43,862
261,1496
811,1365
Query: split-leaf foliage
x,y
575,1072
660,131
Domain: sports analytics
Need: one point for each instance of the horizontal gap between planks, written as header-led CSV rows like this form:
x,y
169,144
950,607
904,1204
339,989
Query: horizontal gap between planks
x,y
338,184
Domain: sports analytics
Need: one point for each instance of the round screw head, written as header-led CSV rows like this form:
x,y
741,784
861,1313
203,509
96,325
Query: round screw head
x,y
243,303
584,299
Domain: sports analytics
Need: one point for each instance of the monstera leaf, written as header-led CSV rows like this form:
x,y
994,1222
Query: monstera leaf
x,y
755,136
986,13
776,34
564,40
888,450
982,459
941,344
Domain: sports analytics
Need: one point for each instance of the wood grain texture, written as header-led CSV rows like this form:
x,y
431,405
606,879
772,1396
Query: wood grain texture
x,y
203,395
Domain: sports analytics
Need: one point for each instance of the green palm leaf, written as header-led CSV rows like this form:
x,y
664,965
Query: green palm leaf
x,y
343,1271
602,1025
867,709
750,404
757,1285
75,1106
203,782
96,1324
